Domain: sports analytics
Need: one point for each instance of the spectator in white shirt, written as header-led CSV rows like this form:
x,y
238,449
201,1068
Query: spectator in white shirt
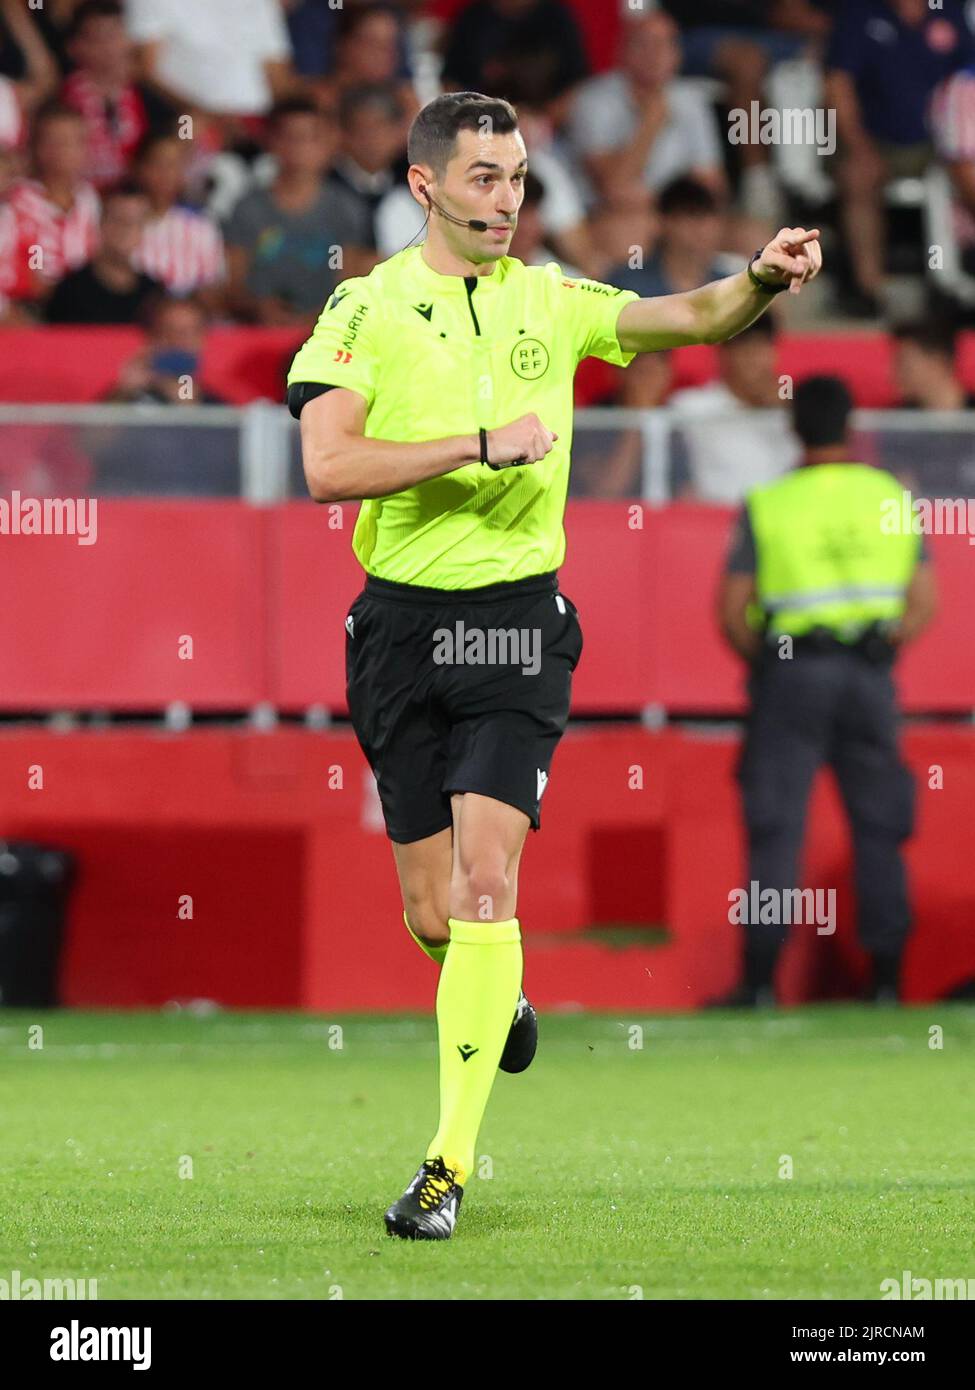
x,y
636,123
727,441
229,58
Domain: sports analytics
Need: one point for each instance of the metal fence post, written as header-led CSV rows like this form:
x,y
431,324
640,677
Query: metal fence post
x,y
264,442
655,427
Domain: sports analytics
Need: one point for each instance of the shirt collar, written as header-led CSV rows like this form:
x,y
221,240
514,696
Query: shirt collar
x,y
455,284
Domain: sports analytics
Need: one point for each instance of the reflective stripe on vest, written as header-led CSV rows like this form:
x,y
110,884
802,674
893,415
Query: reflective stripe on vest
x,y
824,555
775,603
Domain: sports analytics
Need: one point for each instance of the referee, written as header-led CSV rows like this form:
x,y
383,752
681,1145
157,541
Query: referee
x,y
438,390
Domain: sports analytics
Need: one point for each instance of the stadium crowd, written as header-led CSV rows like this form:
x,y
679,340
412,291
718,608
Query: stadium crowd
x,y
245,158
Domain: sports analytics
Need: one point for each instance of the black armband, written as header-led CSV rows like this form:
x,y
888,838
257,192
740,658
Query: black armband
x,y
304,391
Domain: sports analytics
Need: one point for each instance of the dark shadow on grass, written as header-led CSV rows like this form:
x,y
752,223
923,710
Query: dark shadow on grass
x,y
350,1221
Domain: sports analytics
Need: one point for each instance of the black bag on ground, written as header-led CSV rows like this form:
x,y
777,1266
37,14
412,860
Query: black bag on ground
x,y
35,883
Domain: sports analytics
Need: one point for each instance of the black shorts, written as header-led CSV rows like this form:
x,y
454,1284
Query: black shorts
x,y
459,691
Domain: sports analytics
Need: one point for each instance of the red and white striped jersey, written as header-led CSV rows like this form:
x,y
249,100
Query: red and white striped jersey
x,y
111,137
183,249
66,238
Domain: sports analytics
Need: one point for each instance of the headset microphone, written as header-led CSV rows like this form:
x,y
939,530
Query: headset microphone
x,y
475,223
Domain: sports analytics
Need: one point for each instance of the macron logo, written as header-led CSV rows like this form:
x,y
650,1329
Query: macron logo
x,y
541,783
349,625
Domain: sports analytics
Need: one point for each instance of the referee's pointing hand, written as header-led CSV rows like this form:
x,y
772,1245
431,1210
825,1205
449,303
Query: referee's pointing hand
x,y
793,257
525,440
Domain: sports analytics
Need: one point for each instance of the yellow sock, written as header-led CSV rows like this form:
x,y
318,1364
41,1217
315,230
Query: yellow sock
x,y
435,953
476,1000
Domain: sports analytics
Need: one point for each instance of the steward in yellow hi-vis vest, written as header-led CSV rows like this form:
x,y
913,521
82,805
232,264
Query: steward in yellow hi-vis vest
x,y
823,560
820,591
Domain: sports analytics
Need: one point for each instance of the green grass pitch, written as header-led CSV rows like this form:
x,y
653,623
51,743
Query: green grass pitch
x,y
609,1171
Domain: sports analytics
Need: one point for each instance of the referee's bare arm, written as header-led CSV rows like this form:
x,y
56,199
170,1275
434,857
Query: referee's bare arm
x,y
342,465
718,311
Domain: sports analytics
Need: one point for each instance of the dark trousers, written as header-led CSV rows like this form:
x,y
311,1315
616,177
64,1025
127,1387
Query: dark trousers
x,y
837,708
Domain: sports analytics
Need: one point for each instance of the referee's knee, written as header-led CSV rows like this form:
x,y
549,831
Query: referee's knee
x,y
426,923
485,887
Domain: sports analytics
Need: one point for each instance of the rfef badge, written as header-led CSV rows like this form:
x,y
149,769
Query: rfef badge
x,y
529,359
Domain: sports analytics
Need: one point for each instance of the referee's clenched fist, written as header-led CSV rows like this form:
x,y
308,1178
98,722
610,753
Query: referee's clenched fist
x,y
523,441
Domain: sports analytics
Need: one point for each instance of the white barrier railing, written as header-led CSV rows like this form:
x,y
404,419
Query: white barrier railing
x,y
253,451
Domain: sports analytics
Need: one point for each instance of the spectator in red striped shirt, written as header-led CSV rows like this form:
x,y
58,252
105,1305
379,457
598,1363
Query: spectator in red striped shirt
x,y
56,210
180,247
102,89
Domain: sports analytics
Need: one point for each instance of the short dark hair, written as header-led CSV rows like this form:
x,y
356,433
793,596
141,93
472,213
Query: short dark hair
x,y
821,410
125,188
93,9
381,95
160,304
281,111
686,195
353,18
433,133
161,135
52,110
934,335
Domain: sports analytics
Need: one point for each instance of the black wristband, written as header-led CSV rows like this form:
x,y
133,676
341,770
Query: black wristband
x,y
484,452
758,282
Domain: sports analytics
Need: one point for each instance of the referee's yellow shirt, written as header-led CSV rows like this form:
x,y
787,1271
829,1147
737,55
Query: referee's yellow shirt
x,y
437,355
